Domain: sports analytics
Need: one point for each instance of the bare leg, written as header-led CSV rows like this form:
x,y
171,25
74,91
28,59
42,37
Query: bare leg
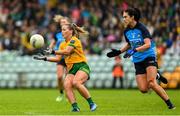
x,y
142,83
69,88
60,73
78,81
80,78
151,77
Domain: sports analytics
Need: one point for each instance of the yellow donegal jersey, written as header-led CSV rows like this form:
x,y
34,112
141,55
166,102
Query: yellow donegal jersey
x,y
77,54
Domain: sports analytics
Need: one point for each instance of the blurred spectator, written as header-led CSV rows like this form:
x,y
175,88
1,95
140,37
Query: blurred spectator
x,y
169,41
175,48
102,18
160,52
118,72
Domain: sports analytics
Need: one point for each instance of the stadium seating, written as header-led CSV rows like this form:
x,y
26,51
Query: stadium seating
x,y
9,80
22,71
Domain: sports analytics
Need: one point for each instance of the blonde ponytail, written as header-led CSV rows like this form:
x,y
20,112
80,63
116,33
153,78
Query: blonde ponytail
x,y
57,18
79,31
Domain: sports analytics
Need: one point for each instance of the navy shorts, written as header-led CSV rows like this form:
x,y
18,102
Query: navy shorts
x,y
62,62
141,66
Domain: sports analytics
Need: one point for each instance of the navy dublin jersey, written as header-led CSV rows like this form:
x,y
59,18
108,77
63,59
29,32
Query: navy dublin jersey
x,y
135,37
59,39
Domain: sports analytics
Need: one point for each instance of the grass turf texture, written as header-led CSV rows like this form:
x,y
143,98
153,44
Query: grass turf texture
x,y
110,102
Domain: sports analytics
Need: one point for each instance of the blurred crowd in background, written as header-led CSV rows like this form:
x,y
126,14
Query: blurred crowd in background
x,y
19,19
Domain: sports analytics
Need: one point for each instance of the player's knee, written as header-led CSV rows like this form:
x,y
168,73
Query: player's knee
x,y
151,84
76,83
67,86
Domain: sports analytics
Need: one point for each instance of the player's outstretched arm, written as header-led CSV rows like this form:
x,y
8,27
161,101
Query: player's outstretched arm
x,y
66,51
57,58
40,57
115,52
48,51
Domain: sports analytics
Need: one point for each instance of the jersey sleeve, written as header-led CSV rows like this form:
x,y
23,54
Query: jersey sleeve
x,y
74,43
126,37
145,33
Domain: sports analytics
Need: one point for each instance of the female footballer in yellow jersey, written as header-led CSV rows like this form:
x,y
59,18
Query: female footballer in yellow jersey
x,y
78,69
77,56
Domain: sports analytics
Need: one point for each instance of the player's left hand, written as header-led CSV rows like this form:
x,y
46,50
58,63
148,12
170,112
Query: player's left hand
x,y
48,51
129,53
40,57
113,53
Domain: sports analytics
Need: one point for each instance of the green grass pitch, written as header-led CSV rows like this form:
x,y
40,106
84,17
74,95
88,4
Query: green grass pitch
x,y
110,102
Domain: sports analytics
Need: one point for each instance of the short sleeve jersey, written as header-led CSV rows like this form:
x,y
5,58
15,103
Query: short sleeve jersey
x,y
77,54
135,37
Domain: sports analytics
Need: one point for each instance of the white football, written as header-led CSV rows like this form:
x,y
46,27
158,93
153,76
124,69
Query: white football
x,y
37,41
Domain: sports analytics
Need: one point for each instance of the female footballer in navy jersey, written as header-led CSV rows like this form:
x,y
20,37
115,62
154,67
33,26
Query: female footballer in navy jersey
x,y
142,49
55,43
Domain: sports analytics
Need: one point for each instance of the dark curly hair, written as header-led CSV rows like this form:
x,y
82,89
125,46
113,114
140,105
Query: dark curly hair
x,y
134,12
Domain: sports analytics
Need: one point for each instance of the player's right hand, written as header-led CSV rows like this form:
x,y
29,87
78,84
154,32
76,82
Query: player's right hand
x,y
113,53
129,53
40,57
48,51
